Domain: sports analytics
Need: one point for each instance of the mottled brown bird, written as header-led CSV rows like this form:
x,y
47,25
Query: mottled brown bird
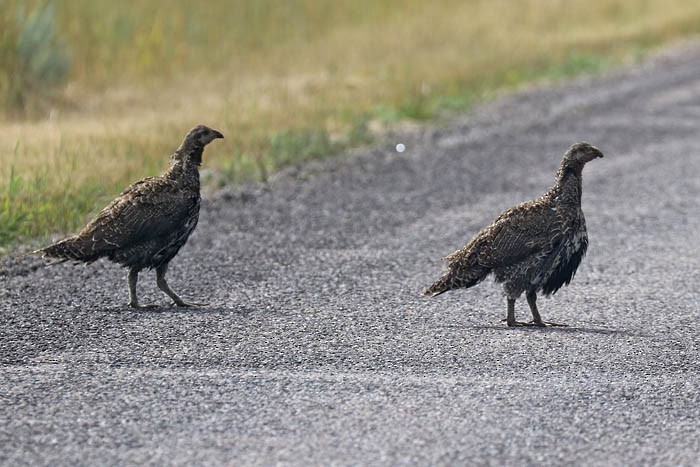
x,y
533,247
148,223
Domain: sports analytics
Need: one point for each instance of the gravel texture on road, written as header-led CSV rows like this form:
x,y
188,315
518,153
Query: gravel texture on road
x,y
317,347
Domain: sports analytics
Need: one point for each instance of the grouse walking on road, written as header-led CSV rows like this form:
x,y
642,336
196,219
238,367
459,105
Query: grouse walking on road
x,y
148,223
533,247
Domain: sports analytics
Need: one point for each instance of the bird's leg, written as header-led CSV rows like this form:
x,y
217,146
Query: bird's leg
x,y
163,285
532,301
510,319
536,318
133,277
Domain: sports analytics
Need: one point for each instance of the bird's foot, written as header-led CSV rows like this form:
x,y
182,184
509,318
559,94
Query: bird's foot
x,y
139,306
185,304
539,324
518,324
549,324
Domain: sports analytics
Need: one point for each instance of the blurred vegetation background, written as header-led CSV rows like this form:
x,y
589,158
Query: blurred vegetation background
x,y
96,94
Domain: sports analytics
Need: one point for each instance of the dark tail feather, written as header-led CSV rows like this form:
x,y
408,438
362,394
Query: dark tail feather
x,y
458,278
440,286
72,248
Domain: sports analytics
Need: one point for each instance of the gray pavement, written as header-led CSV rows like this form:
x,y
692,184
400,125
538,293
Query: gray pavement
x,y
317,348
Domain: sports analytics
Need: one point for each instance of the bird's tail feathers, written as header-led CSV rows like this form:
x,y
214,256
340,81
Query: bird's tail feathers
x,y
457,278
72,248
54,263
440,286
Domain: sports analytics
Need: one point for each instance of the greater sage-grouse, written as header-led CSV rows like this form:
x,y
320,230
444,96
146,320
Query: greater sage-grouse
x,y
148,223
533,247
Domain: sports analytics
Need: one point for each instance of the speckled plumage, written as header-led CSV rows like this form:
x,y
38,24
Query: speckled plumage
x,y
534,247
149,222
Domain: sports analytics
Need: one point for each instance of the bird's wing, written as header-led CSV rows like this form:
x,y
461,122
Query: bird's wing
x,y
518,233
565,254
148,209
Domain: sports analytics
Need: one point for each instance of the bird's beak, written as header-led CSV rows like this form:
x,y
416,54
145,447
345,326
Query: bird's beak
x,y
218,135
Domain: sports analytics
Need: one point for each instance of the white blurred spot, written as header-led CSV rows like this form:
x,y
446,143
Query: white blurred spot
x,y
400,147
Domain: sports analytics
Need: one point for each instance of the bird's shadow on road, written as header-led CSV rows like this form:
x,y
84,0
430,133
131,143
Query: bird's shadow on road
x,y
171,309
562,329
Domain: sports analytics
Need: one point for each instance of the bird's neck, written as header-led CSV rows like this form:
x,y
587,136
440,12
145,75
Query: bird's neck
x,y
190,153
568,188
186,162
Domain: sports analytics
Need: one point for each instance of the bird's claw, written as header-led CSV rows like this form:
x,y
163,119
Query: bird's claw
x,y
539,324
519,324
139,306
185,304
551,324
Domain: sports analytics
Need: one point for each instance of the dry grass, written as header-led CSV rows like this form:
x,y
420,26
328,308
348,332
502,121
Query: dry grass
x,y
285,81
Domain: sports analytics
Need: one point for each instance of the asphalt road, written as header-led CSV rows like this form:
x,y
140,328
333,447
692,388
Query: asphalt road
x,y
317,347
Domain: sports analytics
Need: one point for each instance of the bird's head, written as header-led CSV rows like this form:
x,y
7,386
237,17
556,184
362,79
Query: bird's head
x,y
193,145
580,153
200,136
